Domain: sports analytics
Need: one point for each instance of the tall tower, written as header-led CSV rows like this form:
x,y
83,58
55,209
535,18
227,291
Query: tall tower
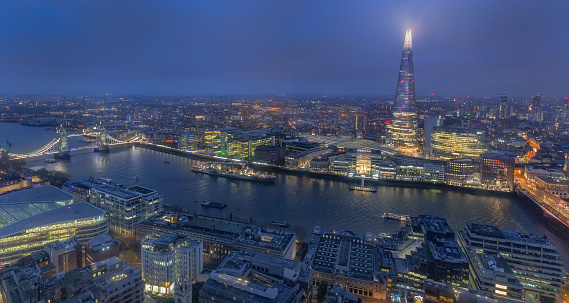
x,y
566,112
504,107
403,132
536,107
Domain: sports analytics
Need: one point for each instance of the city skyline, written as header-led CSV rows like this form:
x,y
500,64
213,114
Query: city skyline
x,y
290,48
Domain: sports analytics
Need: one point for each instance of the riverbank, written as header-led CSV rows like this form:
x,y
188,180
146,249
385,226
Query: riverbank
x,y
326,176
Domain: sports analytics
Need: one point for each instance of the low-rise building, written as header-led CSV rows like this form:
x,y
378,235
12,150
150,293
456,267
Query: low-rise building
x,y
110,281
65,255
100,248
554,186
458,170
256,278
78,220
410,171
221,236
352,263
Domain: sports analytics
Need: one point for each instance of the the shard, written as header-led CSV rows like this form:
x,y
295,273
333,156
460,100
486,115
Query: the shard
x,y
403,131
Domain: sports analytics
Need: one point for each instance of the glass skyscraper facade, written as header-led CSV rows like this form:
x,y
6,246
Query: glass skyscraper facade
x,y
403,131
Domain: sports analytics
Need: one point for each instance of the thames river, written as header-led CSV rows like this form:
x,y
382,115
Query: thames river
x,y
299,200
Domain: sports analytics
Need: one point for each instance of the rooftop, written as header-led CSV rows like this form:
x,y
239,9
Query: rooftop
x,y
72,212
118,192
47,193
347,142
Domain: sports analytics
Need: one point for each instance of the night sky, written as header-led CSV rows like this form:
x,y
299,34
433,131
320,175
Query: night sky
x,y
210,47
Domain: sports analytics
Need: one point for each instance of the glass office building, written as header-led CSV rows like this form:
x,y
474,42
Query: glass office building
x,y
78,220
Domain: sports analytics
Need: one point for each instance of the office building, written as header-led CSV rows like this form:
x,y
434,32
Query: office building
x,y
504,108
351,262
434,173
497,171
78,220
26,203
100,248
65,255
458,170
456,143
126,207
536,108
429,125
221,236
189,140
81,188
566,110
270,154
410,171
340,295
357,162
110,280
258,278
533,259
170,262
554,186
439,258
492,275
403,130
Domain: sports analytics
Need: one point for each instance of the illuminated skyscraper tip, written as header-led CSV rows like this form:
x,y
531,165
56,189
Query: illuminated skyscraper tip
x,y
408,39
403,129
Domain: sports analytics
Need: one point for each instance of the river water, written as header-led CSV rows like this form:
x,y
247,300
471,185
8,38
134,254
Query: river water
x,y
299,200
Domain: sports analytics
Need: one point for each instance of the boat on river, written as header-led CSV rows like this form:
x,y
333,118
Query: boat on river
x,y
363,188
244,173
281,224
397,217
213,204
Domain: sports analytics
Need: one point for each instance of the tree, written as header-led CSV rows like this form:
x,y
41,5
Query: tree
x,y
8,163
55,178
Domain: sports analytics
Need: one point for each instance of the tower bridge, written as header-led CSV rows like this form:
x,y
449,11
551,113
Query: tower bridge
x,y
60,149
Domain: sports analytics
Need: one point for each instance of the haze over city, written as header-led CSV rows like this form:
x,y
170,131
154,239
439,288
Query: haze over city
x,y
284,151
462,48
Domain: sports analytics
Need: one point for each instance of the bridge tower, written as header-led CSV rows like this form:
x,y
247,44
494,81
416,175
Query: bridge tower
x,y
101,141
62,147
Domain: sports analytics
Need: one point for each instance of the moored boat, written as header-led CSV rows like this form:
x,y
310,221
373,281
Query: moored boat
x,y
215,169
213,204
396,217
281,224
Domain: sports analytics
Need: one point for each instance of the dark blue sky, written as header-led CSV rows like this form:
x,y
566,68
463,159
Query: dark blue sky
x,y
182,47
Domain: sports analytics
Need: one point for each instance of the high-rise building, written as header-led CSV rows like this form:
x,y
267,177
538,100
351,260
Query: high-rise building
x,y
504,112
536,108
403,131
566,111
169,262
455,143
429,126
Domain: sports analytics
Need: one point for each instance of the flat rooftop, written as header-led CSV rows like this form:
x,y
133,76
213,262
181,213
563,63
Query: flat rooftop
x,y
118,192
47,193
72,212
